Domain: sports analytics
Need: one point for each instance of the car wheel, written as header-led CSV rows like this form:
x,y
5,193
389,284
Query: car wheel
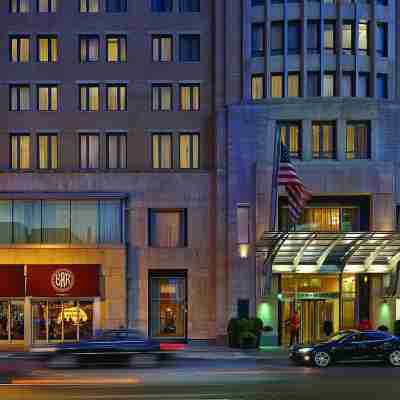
x,y
394,358
142,360
63,361
322,359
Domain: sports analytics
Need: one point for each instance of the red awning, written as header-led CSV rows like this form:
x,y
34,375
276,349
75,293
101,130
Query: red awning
x,y
12,281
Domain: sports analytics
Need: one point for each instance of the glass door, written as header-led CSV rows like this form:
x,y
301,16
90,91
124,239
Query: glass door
x,y
12,320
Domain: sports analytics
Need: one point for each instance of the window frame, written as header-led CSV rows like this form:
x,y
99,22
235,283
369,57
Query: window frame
x,y
87,6
321,153
51,7
49,151
254,77
317,24
191,87
293,74
118,86
287,125
123,9
18,87
297,49
282,76
383,53
18,160
357,153
119,38
18,7
50,54
119,135
49,96
87,151
364,51
18,38
158,86
192,36
330,49
159,150
348,50
87,87
86,40
277,51
191,158
257,28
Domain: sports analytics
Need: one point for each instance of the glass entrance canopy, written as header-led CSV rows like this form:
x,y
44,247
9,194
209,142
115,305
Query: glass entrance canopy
x,y
314,252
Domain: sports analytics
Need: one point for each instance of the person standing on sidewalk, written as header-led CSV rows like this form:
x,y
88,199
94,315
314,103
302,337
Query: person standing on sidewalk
x,y
294,326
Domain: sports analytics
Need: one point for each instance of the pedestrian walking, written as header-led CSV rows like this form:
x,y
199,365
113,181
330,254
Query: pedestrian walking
x,y
294,326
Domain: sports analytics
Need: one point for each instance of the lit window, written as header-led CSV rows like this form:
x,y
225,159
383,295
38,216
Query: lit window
x,y
161,5
348,37
47,6
276,85
48,151
358,140
20,98
329,37
19,6
294,84
189,150
116,150
257,87
89,6
47,49
190,97
116,97
162,48
89,98
20,151
19,49
89,48
161,97
189,48
329,84
162,150
47,98
289,133
116,6
89,150
363,41
323,137
116,49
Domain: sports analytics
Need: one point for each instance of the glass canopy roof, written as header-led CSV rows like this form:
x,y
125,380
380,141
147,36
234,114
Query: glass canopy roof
x,y
348,252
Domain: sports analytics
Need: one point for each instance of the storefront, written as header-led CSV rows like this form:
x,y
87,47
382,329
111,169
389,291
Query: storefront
x,y
48,303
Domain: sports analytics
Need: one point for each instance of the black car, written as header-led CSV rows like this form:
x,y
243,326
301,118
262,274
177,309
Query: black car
x,y
120,346
349,345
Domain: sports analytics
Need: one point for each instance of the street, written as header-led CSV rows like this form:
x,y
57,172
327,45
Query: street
x,y
209,380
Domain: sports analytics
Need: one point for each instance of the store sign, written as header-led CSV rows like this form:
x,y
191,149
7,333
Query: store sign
x,y
12,281
62,280
307,296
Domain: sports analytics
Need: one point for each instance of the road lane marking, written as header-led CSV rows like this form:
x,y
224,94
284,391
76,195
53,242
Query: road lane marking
x,y
67,382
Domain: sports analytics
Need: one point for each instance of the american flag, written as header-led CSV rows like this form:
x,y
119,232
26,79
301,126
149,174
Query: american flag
x,y
297,193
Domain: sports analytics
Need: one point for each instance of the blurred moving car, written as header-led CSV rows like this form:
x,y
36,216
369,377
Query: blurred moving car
x,y
349,345
113,346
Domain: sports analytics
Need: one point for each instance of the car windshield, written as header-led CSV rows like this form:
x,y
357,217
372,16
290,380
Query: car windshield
x,y
338,336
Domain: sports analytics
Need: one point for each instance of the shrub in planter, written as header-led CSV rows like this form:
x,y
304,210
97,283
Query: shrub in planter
x,y
234,332
383,328
248,340
397,328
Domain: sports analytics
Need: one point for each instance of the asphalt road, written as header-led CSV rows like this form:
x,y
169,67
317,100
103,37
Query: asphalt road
x,y
210,380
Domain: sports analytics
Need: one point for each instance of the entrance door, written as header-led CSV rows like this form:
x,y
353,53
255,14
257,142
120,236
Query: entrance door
x,y
168,310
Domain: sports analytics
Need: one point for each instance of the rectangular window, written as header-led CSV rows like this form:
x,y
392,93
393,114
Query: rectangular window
x,y
277,38
26,221
89,150
116,6
348,37
19,6
47,49
161,97
323,139
47,6
48,151
293,84
363,37
19,49
363,84
116,49
116,150
289,133
168,228
162,150
329,84
89,6
382,86
189,97
89,98
189,48
20,98
348,87
329,37
313,37
162,48
20,151
89,46
192,6
47,97
382,40
56,221
257,40
257,87
243,221
313,84
117,97
294,37
358,140
276,85
189,150
255,3
84,224
161,5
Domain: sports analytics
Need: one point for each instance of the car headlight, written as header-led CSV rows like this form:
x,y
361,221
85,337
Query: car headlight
x,y
305,350
43,349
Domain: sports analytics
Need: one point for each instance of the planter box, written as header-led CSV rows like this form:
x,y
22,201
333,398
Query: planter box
x,y
269,339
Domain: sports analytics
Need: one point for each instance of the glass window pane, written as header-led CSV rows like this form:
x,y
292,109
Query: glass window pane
x,y
166,98
24,161
112,151
93,143
14,98
185,98
156,144
84,222
4,320
24,98
184,151
85,320
166,148
55,321
43,50
27,221
43,99
24,50
70,320
54,98
277,85
329,85
5,221
54,152
17,320
110,222
166,229
293,85
112,50
56,221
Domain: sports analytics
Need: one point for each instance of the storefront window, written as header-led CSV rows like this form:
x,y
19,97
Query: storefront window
x,y
4,320
12,320
56,221
26,226
39,321
5,221
85,319
84,222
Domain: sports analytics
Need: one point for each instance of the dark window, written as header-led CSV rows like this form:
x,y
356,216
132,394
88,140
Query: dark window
x,y
277,38
19,6
363,84
358,139
348,87
294,37
257,40
167,228
313,37
382,86
161,5
324,138
161,97
329,37
189,97
382,40
189,6
47,157
89,150
89,48
20,98
116,6
19,151
189,48
161,150
382,2
189,150
348,37
313,84
255,3
116,150
290,136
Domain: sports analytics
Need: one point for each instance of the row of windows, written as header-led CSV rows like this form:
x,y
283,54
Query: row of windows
x,y
93,6
380,2
116,48
116,97
358,139
116,151
329,38
315,87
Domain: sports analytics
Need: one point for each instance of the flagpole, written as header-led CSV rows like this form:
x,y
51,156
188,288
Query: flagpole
x,y
275,191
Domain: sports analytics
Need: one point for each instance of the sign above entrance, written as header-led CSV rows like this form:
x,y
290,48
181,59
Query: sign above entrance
x,y
12,281
307,296
65,280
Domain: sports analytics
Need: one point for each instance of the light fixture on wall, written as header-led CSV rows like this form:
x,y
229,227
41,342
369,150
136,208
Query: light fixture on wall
x,y
244,250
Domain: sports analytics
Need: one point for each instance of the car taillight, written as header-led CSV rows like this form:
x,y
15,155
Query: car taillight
x,y
172,346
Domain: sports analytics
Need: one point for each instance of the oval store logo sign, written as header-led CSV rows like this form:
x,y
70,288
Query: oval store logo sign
x,y
62,280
